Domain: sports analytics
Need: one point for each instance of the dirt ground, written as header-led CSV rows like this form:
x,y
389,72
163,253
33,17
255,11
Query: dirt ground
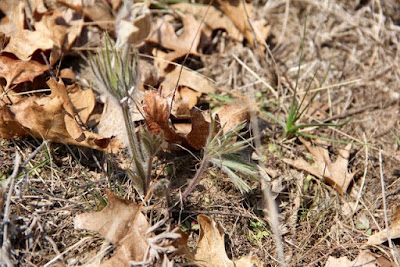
x,y
354,45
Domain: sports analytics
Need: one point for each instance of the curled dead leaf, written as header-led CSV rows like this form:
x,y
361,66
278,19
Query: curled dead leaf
x,y
365,259
197,137
15,71
242,14
55,118
133,23
96,11
213,19
164,34
210,249
334,173
232,115
156,109
120,222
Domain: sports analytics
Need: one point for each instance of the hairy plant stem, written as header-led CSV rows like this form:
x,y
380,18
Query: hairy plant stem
x,y
148,174
196,179
134,145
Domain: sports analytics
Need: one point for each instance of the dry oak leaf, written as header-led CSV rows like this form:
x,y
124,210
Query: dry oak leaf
x,y
182,44
156,110
197,138
210,249
191,85
123,224
185,100
132,23
213,19
97,11
47,36
365,259
14,19
16,71
333,173
232,115
55,118
394,231
188,78
242,14
187,42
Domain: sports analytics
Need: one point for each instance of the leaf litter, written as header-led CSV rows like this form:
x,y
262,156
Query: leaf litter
x,y
71,114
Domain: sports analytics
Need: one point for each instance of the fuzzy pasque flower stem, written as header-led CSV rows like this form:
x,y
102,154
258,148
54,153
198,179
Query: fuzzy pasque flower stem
x,y
196,179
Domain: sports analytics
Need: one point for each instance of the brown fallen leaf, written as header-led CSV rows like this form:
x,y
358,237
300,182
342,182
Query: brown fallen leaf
x,y
197,137
188,78
16,71
213,19
187,42
98,12
191,85
14,19
334,173
156,110
232,115
365,259
210,249
83,101
132,23
24,43
242,14
48,35
394,231
120,222
185,99
55,118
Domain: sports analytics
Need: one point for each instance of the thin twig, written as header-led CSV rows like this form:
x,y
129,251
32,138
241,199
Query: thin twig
x,y
216,212
385,209
270,209
67,250
5,253
256,76
364,176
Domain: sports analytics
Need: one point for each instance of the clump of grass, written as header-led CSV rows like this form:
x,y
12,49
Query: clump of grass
x,y
291,126
115,73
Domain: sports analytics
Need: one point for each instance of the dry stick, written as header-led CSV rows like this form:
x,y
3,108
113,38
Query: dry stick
x,y
216,212
77,244
284,23
256,76
385,209
359,110
363,178
5,253
272,209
